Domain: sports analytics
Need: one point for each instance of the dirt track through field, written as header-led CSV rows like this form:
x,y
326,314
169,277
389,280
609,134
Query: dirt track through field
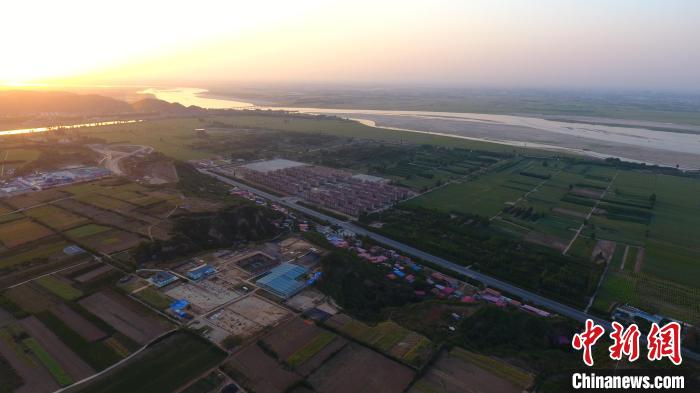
x,y
640,260
624,257
71,363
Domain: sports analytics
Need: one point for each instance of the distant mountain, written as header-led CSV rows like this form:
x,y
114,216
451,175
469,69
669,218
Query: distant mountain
x,y
27,103
152,105
21,103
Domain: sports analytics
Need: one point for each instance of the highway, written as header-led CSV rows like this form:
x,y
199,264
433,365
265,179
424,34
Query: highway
x,y
492,282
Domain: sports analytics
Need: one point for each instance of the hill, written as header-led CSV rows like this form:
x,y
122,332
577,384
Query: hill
x,y
152,105
15,103
22,103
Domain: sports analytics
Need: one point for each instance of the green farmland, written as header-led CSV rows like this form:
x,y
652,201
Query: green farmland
x,y
648,221
164,367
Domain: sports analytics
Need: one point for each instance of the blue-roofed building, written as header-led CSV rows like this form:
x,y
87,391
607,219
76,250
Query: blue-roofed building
x,y
162,279
201,272
284,280
73,250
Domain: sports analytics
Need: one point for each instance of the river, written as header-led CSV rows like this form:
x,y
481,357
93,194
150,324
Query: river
x,y
66,127
632,143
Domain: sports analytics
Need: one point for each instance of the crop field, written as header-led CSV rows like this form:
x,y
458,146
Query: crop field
x,y
387,337
109,242
48,361
657,270
75,367
257,371
21,232
34,198
460,371
16,157
310,349
58,287
44,251
106,202
524,198
155,370
35,377
486,195
30,298
358,369
652,219
7,217
125,315
154,298
32,240
86,231
302,345
55,217
650,294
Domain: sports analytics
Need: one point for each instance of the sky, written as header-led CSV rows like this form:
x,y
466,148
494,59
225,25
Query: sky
x,y
636,44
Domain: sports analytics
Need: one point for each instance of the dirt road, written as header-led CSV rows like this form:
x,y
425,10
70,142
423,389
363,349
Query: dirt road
x,y
114,154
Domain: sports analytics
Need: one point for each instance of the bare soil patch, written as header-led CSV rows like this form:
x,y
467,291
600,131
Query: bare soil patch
x,y
639,263
78,323
235,324
204,295
259,310
624,257
587,192
569,212
287,338
603,250
453,375
125,315
358,369
30,299
92,274
546,240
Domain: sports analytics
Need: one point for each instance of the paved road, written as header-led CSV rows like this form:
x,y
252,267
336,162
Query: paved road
x,y
488,280
525,295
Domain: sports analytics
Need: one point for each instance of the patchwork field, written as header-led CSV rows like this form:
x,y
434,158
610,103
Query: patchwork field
x,y
648,221
387,337
302,345
55,218
36,228
20,232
